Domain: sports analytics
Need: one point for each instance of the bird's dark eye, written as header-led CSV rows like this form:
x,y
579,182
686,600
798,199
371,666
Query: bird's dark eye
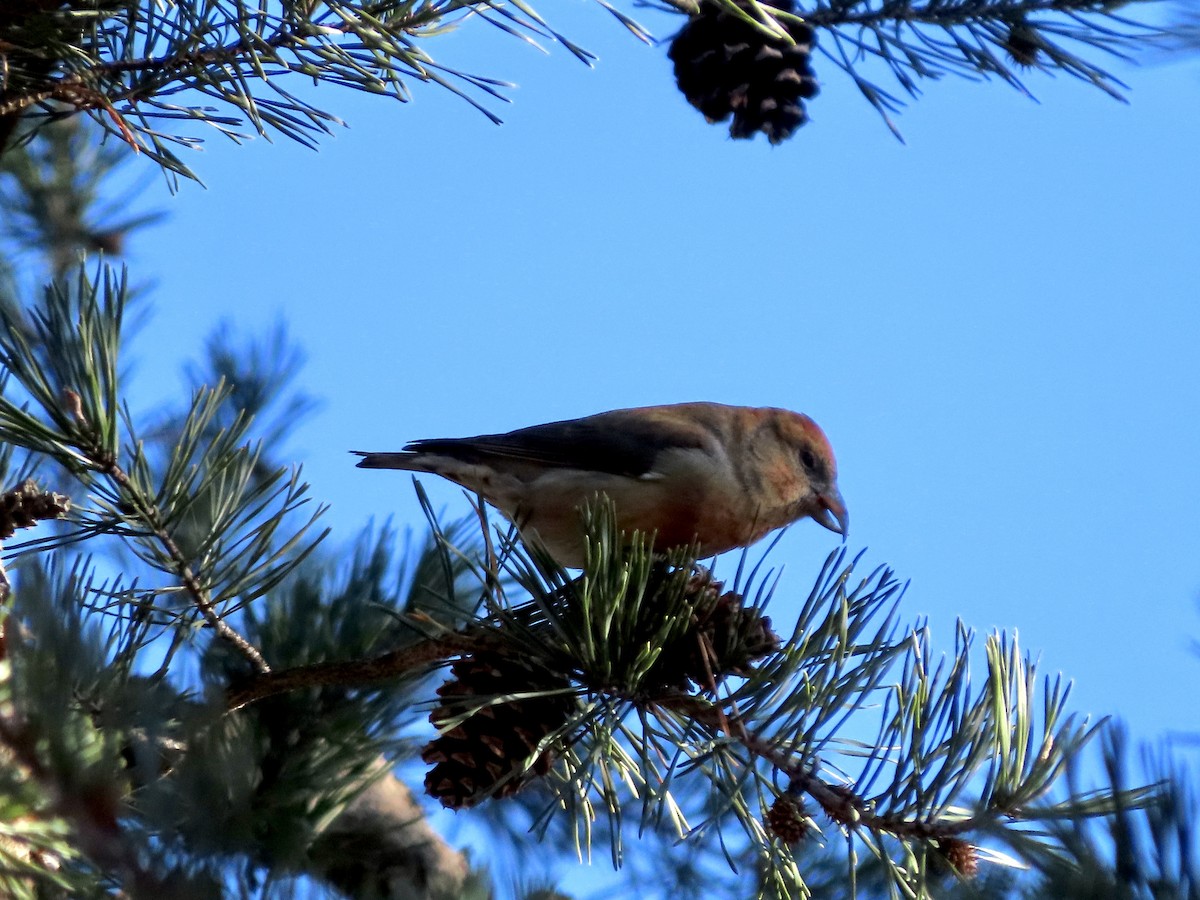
x,y
809,460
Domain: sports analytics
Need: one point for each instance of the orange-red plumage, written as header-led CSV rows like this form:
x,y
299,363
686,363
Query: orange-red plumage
x,y
723,476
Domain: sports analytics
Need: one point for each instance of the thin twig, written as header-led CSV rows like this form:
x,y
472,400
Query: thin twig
x,y
840,803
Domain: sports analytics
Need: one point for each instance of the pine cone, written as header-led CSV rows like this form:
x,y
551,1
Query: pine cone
x,y
726,638
738,635
494,752
727,66
26,505
786,819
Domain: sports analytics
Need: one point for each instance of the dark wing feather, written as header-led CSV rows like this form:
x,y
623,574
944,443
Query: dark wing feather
x,y
614,442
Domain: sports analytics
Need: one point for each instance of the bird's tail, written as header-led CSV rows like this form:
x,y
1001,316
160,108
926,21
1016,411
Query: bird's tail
x,y
413,462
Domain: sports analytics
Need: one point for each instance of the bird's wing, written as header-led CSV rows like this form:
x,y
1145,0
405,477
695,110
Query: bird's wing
x,y
622,442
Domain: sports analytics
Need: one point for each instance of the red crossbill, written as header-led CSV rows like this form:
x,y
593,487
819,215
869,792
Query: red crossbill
x,y
721,476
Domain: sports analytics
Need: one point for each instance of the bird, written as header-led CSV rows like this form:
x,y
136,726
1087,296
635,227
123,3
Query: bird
x,y
701,474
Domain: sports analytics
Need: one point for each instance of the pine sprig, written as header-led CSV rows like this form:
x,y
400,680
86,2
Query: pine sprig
x,y
918,41
64,360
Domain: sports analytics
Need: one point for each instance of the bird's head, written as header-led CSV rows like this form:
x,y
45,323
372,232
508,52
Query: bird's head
x,y
807,452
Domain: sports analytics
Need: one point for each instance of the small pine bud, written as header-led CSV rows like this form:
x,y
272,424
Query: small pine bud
x,y
110,243
961,856
786,819
845,807
1022,44
73,404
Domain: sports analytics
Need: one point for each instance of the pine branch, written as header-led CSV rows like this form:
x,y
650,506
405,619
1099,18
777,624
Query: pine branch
x,y
65,361
623,642
790,707
919,40
353,673
35,67
753,60
77,388
125,64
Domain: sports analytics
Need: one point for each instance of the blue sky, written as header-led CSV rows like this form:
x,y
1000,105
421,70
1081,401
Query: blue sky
x,y
996,323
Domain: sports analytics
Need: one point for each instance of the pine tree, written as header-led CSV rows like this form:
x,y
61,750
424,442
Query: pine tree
x,y
200,697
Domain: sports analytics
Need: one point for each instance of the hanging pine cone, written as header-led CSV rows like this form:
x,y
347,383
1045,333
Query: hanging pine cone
x,y
494,752
26,504
727,66
786,819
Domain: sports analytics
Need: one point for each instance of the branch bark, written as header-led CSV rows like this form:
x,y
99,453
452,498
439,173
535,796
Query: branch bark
x,y
383,846
351,672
